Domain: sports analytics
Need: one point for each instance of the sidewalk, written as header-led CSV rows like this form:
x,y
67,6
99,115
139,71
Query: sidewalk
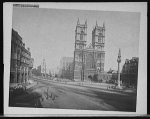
x,y
31,84
28,85
91,84
96,85
20,97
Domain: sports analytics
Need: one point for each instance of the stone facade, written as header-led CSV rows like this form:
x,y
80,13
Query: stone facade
x,y
21,62
89,61
129,73
66,67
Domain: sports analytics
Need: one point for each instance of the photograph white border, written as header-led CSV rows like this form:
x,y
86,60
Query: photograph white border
x,y
141,108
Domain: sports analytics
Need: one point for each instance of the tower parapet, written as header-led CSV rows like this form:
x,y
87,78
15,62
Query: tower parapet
x,y
81,35
98,37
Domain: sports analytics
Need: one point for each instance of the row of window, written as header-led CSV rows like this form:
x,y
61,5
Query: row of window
x,y
15,55
26,55
26,61
80,36
100,39
15,47
127,67
18,53
131,62
128,76
129,71
15,64
18,42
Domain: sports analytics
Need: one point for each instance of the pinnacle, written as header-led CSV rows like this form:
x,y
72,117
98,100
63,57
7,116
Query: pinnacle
x,y
78,21
96,23
86,22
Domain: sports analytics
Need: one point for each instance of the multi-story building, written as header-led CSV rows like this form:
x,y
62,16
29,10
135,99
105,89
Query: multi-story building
x,y
37,71
21,62
130,71
31,66
89,61
66,67
115,76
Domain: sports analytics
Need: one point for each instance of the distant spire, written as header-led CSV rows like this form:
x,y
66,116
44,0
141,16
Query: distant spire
x,y
78,21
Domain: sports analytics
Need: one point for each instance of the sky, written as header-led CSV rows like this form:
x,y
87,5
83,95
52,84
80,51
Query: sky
x,y
50,33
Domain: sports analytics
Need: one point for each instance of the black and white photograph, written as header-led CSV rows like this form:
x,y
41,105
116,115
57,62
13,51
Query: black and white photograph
x,y
74,59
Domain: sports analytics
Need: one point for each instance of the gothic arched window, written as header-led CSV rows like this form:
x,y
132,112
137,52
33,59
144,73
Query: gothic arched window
x,y
81,35
90,62
80,57
99,59
99,37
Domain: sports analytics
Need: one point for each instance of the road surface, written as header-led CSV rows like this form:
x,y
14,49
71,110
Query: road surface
x,y
63,96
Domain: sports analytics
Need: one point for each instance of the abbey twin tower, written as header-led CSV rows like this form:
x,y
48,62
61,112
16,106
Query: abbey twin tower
x,y
89,61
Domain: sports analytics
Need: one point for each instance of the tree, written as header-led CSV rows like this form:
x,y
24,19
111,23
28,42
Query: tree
x,y
90,77
95,78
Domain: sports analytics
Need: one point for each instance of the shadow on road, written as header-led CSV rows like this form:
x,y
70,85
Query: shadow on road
x,y
35,87
120,102
21,98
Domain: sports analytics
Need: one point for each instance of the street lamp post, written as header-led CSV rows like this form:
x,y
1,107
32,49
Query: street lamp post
x,y
119,60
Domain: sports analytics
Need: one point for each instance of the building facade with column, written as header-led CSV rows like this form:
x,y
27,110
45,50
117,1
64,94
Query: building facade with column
x,y
129,73
89,61
21,62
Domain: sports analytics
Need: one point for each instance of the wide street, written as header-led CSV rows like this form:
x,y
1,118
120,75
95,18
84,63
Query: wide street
x,y
56,95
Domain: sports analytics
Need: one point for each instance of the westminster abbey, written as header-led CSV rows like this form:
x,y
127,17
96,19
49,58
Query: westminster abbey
x,y
88,61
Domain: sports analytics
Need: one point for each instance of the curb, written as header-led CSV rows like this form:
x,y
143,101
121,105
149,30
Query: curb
x,y
88,85
77,84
